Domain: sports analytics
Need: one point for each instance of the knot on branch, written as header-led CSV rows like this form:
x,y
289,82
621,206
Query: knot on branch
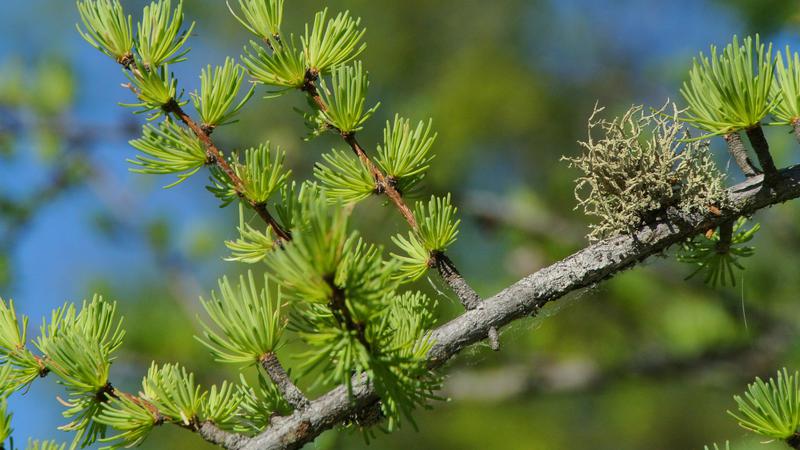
x,y
208,129
105,393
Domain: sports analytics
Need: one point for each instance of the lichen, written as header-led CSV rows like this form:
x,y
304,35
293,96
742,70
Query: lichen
x,y
641,165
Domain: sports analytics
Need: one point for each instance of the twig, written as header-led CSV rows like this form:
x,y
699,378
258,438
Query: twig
x,y
207,430
761,146
216,157
725,237
458,285
796,128
290,392
739,153
469,298
583,269
383,184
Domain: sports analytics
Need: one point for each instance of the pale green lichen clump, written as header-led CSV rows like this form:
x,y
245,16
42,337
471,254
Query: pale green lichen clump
x,y
641,165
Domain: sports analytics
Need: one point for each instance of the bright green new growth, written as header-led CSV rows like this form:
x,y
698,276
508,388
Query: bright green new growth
x,y
772,408
78,346
718,260
253,245
13,353
345,304
174,392
130,418
284,67
639,167
218,91
405,154
348,311
170,394
344,177
260,17
786,88
5,421
8,381
438,229
222,404
155,89
289,201
12,330
306,267
403,379
107,28
262,175
8,384
249,319
346,98
168,149
328,46
438,226
159,38
731,91
258,405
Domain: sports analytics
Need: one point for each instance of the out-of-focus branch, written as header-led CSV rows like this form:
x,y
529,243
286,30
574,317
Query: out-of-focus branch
x,y
495,211
743,360
447,270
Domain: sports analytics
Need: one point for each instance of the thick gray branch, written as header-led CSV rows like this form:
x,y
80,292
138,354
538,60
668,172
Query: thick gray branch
x,y
224,439
583,269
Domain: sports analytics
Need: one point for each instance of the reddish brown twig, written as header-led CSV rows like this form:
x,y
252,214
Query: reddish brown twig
x,y
447,270
216,157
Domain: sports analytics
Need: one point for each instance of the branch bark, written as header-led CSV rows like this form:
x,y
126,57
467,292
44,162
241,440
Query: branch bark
x,y
739,153
796,129
215,435
469,298
283,382
583,269
761,147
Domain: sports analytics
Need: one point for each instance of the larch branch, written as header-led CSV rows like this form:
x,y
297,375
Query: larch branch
x,y
584,269
458,285
216,157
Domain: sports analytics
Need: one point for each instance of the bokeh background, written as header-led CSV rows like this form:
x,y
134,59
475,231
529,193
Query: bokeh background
x,y
647,360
